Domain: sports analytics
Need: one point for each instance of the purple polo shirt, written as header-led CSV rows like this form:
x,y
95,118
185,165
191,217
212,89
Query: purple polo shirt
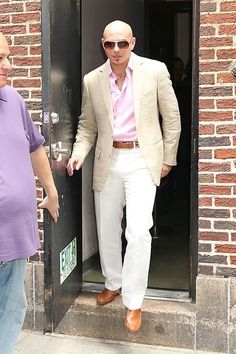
x,y
19,237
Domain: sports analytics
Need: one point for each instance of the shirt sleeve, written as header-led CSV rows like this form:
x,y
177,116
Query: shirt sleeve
x,y
32,134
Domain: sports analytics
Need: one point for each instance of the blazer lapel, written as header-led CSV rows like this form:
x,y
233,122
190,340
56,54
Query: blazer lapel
x,y
106,93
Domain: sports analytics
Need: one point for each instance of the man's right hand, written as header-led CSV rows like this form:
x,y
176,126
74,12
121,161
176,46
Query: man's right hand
x,y
74,163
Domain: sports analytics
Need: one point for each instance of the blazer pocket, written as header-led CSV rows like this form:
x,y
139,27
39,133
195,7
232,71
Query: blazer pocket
x,y
97,152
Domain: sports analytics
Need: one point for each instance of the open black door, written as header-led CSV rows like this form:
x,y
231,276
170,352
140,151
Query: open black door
x,y
61,105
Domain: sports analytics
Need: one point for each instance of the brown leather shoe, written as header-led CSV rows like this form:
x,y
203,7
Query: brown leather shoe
x,y
107,296
133,320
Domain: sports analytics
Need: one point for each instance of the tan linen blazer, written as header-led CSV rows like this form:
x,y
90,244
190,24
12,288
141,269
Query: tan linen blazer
x,y
153,95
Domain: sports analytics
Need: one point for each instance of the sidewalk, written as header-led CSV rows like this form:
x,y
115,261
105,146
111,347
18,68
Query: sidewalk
x,y
37,343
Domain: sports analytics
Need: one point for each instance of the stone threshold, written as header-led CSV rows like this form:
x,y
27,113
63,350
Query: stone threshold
x,y
164,323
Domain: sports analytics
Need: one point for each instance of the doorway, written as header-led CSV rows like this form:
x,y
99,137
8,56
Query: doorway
x,y
164,33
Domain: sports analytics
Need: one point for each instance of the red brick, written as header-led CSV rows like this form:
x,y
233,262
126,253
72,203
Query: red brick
x,y
208,129
233,236
226,129
4,19
10,8
225,248
226,53
226,103
228,6
226,178
206,104
11,30
214,166
26,17
213,236
206,79
216,116
227,29
35,72
27,40
233,260
234,140
33,6
225,153
27,83
216,42
225,78
225,202
207,53
35,50
214,190
19,50
218,18
35,28
213,66
27,61
204,201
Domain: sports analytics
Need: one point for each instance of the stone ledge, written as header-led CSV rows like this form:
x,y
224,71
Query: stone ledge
x,y
165,323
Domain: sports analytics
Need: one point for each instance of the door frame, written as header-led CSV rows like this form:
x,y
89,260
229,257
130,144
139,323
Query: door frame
x,y
194,150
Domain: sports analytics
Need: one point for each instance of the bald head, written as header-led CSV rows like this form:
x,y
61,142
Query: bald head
x,y
119,28
118,43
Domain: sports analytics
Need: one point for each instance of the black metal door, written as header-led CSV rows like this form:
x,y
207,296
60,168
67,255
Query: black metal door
x,y
61,105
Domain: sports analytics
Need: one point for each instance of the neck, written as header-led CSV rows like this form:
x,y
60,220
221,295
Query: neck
x,y
119,70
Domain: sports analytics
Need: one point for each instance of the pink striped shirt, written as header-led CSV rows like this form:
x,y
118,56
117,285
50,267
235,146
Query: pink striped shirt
x,y
123,111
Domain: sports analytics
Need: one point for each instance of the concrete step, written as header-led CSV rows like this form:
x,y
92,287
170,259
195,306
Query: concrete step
x,y
164,323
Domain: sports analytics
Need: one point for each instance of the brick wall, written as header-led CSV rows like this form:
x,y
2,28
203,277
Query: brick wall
x,y
217,138
20,21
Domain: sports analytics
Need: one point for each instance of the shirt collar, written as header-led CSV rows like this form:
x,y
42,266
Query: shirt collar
x,y
3,94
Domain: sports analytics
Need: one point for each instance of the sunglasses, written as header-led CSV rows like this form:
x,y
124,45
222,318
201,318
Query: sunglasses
x,y
121,44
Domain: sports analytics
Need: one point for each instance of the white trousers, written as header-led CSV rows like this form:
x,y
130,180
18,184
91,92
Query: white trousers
x,y
129,183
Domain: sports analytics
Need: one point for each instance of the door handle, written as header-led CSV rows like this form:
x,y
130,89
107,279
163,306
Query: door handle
x,y
55,118
57,150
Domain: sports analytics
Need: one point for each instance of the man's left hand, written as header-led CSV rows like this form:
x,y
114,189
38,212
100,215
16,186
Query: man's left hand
x,y
165,170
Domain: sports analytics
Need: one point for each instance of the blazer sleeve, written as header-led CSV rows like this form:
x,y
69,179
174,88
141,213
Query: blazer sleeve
x,y
169,110
87,126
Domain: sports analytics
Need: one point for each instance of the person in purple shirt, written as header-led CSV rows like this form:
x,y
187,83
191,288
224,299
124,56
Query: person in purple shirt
x,y
22,155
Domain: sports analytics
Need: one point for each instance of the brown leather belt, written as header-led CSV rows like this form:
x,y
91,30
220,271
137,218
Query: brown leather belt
x,y
125,144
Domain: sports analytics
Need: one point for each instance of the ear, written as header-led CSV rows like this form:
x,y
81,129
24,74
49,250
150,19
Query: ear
x,y
133,41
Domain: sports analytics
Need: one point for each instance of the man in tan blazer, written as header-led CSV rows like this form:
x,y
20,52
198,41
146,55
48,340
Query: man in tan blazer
x,y
122,100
